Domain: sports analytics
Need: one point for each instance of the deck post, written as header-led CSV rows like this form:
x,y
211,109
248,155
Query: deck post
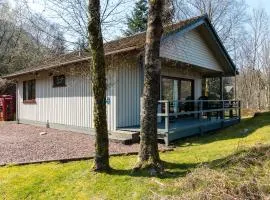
x,y
200,108
231,110
222,114
223,110
167,116
221,97
239,110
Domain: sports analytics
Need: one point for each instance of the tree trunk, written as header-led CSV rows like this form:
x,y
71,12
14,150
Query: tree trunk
x,y
101,161
148,154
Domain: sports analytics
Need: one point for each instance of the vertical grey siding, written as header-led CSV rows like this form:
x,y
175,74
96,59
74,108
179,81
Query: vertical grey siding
x,y
71,105
129,93
189,48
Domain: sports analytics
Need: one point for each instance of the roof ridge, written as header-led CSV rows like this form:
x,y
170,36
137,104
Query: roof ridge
x,y
166,26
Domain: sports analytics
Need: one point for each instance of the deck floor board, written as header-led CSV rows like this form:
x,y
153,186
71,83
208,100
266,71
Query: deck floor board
x,y
180,128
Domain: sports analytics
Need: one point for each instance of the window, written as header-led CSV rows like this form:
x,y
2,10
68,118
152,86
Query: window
x,y
174,89
29,91
59,81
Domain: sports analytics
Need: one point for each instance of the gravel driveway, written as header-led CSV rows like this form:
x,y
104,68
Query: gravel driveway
x,y
21,143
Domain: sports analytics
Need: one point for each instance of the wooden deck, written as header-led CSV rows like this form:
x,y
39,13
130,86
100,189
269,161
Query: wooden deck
x,y
182,128
176,125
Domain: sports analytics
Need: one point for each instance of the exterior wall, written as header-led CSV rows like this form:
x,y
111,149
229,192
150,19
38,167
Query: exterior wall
x,y
129,90
71,105
191,48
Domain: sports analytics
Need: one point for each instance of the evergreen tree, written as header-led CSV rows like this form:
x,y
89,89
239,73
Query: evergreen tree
x,y
137,22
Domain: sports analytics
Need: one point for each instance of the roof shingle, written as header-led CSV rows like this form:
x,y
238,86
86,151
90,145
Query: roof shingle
x,y
125,44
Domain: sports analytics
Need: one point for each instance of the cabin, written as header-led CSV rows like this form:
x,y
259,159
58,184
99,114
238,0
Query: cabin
x,y
58,93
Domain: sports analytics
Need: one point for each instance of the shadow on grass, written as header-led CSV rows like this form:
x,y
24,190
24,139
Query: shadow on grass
x,y
174,170
182,169
245,158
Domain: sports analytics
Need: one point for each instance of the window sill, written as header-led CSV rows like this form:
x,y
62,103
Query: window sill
x,y
56,86
33,101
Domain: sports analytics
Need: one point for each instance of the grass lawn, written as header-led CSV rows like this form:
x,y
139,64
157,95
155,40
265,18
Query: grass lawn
x,y
74,180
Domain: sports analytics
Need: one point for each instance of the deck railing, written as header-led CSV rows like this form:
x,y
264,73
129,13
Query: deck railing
x,y
200,109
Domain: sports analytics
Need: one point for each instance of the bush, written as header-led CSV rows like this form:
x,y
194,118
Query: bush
x,y
7,87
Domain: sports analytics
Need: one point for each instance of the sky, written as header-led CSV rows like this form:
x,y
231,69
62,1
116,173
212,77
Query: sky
x,y
38,6
260,4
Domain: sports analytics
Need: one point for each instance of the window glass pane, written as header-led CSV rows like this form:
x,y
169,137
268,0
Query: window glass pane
x,y
176,89
186,90
59,81
29,90
167,89
33,89
24,90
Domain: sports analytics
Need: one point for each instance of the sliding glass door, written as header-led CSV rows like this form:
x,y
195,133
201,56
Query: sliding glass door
x,y
175,90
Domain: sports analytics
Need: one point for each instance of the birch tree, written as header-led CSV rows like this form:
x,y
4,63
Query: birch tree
x,y
101,161
148,154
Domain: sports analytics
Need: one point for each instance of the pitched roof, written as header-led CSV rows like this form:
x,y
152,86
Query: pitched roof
x,y
122,45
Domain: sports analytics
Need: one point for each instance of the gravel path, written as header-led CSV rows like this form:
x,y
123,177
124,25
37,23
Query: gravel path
x,y
23,143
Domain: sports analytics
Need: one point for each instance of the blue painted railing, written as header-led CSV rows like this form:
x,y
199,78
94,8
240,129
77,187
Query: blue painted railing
x,y
199,109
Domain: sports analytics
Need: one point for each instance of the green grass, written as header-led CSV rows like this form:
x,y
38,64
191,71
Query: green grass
x,y
74,180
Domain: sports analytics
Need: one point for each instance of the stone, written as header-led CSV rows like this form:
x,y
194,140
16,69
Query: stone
x,y
43,133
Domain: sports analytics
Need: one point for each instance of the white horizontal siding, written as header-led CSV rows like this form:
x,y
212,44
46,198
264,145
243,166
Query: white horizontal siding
x,y
189,48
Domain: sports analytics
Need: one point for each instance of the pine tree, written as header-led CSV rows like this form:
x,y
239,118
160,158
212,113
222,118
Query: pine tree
x,y
137,22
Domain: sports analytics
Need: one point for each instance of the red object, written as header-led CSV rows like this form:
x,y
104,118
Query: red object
x,y
7,108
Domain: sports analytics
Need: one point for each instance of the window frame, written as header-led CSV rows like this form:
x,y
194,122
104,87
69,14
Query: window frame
x,y
63,76
179,79
29,91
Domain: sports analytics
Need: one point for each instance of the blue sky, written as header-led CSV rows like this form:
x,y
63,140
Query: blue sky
x,y
38,6
260,4
253,3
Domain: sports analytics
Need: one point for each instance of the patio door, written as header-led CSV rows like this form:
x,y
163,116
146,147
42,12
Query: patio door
x,y
175,90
